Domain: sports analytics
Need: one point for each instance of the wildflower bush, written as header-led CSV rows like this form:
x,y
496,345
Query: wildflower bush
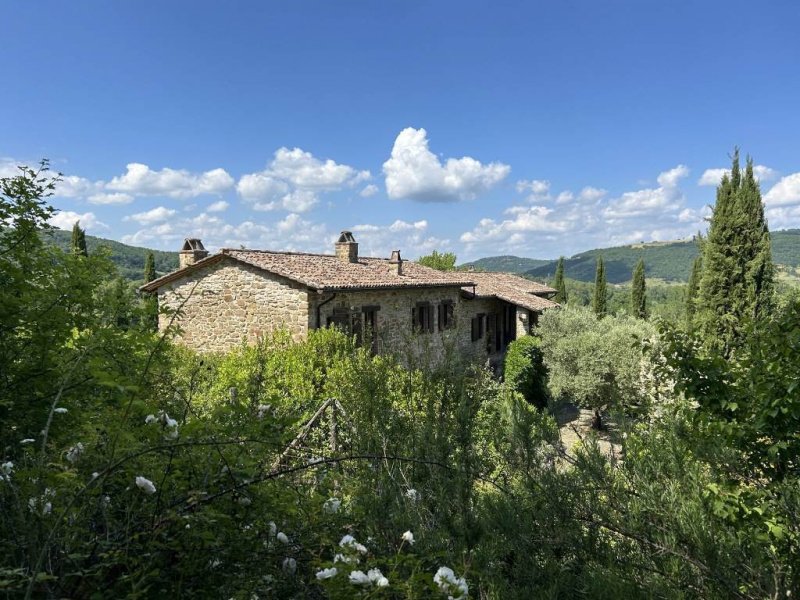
x,y
134,468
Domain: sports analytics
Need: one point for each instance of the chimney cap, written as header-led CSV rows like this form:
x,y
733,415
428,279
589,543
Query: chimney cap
x,y
191,244
346,237
395,257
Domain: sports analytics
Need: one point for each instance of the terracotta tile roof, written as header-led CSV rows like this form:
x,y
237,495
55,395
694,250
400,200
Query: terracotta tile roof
x,y
327,272
512,288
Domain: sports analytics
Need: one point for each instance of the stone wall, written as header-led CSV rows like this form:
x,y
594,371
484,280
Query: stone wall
x,y
394,320
230,302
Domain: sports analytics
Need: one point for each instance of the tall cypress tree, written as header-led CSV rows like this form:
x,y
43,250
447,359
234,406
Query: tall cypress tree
x,y
600,299
691,290
638,296
737,280
149,268
79,240
558,283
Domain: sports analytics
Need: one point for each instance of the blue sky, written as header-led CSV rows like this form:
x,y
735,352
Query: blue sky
x,y
482,128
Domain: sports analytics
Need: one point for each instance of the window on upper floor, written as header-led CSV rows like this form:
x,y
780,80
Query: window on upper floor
x,y
445,316
422,318
478,326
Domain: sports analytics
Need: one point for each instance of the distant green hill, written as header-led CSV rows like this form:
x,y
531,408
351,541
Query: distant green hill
x,y
508,264
129,259
670,261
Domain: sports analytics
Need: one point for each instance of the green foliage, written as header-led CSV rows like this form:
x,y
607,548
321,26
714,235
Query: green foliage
x,y
445,261
737,278
78,241
593,363
525,372
691,291
149,268
559,284
129,260
638,293
600,296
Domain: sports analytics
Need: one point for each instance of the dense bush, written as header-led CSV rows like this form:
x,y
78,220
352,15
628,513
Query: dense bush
x,y
525,372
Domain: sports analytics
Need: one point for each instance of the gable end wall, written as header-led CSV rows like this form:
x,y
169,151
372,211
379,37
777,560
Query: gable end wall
x,y
230,302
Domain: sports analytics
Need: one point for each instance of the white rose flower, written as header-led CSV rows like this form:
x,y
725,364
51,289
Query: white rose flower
x,y
326,573
359,578
408,537
145,485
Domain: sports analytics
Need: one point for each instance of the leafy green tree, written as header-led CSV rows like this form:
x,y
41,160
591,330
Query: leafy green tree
x,y
149,268
692,289
525,371
79,240
594,363
441,261
737,282
559,284
638,292
600,297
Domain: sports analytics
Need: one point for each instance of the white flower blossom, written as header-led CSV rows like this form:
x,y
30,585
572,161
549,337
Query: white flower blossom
x,y
95,475
150,419
145,485
455,587
244,501
60,410
331,505
349,541
282,538
413,495
47,508
105,502
376,577
408,537
359,578
326,573
7,468
289,566
273,529
74,453
214,563
348,560
27,441
262,409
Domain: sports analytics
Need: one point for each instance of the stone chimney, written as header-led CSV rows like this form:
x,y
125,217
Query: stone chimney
x,y
347,248
396,263
191,252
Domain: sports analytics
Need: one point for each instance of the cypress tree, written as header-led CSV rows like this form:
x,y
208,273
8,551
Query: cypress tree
x,y
737,277
149,268
638,297
692,289
79,240
600,299
558,283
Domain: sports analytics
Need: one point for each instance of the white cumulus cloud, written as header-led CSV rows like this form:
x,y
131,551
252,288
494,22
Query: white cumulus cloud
x,y
784,193
155,215
714,176
65,219
141,180
110,198
414,172
294,179
219,206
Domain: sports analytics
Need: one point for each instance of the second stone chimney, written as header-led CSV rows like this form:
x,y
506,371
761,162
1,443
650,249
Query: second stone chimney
x,y
347,248
192,251
396,263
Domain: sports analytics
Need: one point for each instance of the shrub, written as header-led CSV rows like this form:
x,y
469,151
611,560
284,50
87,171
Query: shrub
x,y
524,370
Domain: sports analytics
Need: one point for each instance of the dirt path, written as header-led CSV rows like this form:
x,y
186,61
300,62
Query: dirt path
x,y
575,424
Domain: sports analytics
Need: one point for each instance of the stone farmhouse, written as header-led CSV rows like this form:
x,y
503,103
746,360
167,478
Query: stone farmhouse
x,y
236,296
